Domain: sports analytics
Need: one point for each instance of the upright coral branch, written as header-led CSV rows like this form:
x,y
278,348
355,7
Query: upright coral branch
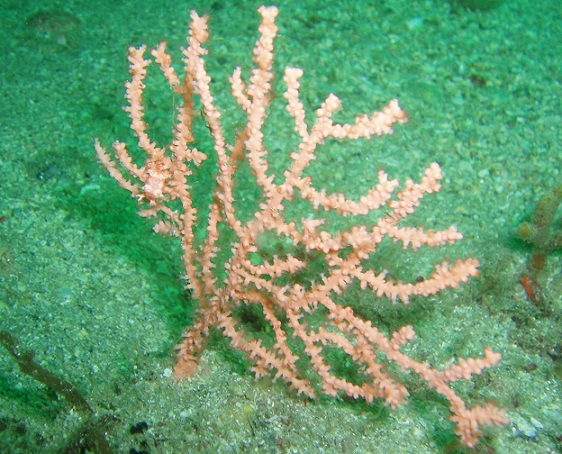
x,y
228,271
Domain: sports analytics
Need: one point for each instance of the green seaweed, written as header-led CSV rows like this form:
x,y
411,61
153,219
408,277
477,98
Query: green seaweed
x,y
543,232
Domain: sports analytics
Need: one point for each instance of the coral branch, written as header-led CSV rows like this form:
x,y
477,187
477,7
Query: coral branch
x,y
297,291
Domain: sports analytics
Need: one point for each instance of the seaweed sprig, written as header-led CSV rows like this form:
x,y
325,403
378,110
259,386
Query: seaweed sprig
x,y
541,232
